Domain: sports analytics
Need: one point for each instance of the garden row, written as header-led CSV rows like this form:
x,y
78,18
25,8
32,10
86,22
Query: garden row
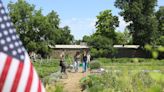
x,y
126,75
46,67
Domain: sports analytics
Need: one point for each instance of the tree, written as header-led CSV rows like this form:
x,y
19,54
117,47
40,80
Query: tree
x,y
101,46
101,42
36,30
56,34
31,25
143,22
123,37
54,21
64,36
86,38
161,40
106,24
21,13
160,17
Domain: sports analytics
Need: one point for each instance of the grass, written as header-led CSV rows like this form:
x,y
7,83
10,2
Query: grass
x,y
132,64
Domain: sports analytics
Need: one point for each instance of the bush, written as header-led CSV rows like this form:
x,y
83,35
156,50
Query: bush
x,y
95,65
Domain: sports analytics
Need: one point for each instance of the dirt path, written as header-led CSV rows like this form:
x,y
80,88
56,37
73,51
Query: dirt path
x,y
72,84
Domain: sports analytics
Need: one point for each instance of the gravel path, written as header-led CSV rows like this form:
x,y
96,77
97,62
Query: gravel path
x,y
72,83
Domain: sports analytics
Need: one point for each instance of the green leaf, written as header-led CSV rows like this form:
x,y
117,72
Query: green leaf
x,y
148,47
155,54
155,89
161,49
157,76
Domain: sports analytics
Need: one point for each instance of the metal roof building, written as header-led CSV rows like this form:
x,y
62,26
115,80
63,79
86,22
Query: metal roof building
x,y
69,50
69,47
127,46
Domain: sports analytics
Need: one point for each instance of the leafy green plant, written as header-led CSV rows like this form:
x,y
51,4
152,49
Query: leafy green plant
x,y
59,87
124,81
154,50
95,65
45,68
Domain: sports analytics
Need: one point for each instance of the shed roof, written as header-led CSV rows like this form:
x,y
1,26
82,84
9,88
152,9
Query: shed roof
x,y
69,47
126,46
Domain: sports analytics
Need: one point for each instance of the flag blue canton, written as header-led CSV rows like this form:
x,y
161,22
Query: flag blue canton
x,y
9,42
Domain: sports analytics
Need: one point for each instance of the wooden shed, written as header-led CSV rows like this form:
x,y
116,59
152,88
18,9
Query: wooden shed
x,y
69,50
130,51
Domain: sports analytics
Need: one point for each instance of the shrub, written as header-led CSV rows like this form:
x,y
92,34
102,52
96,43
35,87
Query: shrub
x,y
95,65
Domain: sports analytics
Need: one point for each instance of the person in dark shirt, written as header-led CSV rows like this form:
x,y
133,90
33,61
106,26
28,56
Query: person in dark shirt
x,y
84,61
62,63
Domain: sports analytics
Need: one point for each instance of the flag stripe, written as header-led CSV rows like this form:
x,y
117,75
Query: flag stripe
x,y
43,90
34,86
17,77
25,74
39,86
30,79
5,72
10,76
2,62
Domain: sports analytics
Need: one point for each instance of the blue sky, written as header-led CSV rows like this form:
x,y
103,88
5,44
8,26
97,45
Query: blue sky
x,y
79,15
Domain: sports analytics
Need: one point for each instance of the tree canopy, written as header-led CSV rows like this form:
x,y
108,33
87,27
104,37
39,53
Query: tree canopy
x,y
160,18
36,30
123,37
101,42
106,24
141,16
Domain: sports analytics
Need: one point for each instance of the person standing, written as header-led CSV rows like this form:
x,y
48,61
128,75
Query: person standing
x,y
76,61
88,59
62,63
84,61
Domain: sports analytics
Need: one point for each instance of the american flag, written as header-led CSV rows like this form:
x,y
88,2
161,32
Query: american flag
x,y
16,71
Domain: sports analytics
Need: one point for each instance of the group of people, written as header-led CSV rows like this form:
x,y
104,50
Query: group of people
x,y
84,57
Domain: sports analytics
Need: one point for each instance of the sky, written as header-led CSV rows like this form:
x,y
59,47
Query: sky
x,y
79,15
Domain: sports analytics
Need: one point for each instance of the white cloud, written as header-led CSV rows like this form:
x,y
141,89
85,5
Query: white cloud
x,y
122,24
86,26
80,26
